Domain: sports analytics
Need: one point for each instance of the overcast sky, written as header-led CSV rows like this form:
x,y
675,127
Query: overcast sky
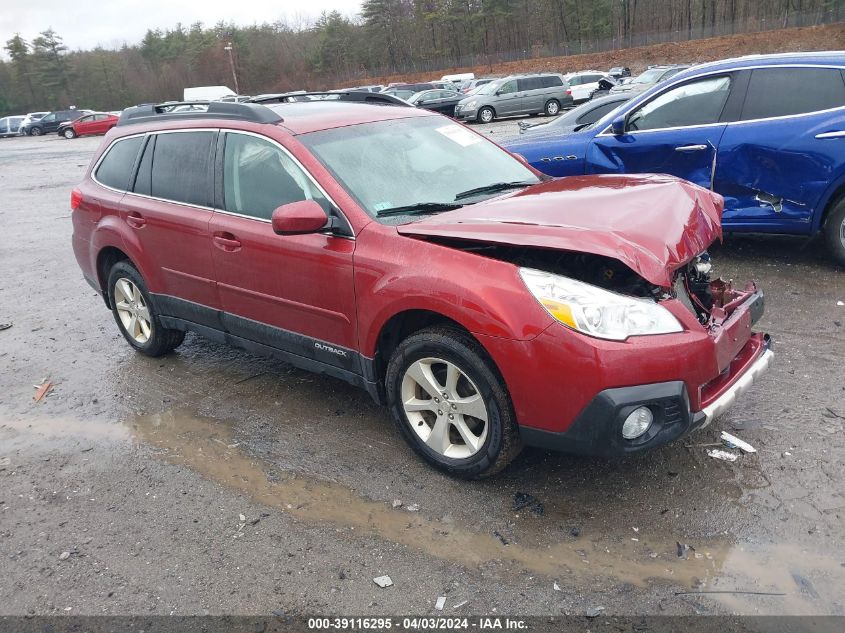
x,y
87,24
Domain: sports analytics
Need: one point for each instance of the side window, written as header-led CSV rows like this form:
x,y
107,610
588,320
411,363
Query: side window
x,y
552,81
575,81
507,87
694,103
144,179
48,118
180,169
258,177
116,168
784,91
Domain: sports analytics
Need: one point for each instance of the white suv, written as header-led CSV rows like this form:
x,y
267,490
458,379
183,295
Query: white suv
x,y
582,84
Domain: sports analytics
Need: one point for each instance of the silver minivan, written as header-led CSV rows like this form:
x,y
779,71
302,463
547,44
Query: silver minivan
x,y
516,95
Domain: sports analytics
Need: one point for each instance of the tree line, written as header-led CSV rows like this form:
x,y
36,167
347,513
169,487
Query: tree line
x,y
386,37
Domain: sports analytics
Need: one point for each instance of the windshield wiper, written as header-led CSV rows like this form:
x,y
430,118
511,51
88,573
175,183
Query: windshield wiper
x,y
498,186
419,208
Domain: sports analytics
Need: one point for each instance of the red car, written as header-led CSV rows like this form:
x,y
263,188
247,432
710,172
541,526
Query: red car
x,y
487,305
96,123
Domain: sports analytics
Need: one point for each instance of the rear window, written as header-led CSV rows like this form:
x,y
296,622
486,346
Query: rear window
x,y
116,167
784,91
181,167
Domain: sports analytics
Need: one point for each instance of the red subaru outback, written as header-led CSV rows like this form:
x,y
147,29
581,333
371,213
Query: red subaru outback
x,y
488,306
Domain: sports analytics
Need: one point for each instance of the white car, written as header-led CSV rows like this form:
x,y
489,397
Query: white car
x,y
582,84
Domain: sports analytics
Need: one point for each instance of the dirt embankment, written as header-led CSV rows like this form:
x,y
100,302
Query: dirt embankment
x,y
825,37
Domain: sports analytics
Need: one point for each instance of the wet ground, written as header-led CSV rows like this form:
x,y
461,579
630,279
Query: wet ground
x,y
212,481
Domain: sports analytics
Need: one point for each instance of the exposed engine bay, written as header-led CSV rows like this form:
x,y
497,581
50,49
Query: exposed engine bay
x,y
711,301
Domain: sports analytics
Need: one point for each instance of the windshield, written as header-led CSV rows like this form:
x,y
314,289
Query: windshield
x,y
649,76
492,87
419,160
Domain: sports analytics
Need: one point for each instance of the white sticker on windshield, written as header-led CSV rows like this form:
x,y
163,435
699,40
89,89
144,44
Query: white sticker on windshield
x,y
459,135
381,206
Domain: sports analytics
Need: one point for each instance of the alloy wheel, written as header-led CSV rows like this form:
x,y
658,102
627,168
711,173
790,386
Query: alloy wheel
x,y
132,310
444,408
552,108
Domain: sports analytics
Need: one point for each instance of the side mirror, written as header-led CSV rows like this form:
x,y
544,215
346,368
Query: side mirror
x,y
617,127
298,218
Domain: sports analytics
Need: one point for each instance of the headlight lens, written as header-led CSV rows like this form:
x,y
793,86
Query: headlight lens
x,y
595,311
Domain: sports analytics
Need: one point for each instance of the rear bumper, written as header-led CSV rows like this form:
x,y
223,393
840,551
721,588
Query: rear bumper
x,y
597,430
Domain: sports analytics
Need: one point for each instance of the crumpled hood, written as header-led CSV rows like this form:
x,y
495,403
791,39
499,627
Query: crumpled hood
x,y
651,223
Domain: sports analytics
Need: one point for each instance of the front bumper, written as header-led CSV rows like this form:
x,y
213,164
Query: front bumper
x,y
465,114
597,430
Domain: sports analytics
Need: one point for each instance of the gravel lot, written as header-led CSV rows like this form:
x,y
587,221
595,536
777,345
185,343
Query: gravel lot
x,y
212,481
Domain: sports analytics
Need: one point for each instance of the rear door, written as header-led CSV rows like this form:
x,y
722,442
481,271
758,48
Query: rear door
x,y
290,292
675,132
532,91
168,210
775,164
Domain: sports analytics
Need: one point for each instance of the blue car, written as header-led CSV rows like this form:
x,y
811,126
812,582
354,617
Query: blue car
x,y
767,132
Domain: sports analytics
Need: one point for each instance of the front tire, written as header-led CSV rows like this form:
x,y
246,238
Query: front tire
x,y
449,403
486,115
834,231
136,315
69,133
552,107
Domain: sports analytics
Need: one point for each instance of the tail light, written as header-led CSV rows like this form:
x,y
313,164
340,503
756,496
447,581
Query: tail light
x,y
75,199
569,91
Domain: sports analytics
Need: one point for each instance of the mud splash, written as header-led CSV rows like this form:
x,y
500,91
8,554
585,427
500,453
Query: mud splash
x,y
207,446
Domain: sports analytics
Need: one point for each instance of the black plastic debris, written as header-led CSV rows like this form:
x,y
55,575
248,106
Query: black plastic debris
x,y
523,500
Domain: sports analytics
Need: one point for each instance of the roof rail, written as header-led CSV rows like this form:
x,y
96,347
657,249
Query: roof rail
x,y
358,96
213,110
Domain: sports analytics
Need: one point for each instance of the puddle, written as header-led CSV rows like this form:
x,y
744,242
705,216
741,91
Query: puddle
x,y
806,581
208,447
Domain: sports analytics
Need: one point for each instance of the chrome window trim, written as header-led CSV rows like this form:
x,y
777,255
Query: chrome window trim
x,y
672,83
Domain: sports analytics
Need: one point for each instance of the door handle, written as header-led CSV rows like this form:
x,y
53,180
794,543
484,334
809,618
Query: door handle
x,y
135,220
834,134
691,148
226,242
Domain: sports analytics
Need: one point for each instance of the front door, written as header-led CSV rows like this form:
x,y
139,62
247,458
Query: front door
x,y
508,99
290,292
676,132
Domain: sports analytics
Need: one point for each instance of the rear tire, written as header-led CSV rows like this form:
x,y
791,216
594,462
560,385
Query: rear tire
x,y
552,107
136,315
478,433
69,133
36,131
834,231
486,115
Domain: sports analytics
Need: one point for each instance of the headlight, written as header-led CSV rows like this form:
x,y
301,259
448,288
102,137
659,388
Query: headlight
x,y
595,311
471,104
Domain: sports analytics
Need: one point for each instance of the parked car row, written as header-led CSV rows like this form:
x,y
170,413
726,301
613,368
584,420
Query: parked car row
x,y
766,132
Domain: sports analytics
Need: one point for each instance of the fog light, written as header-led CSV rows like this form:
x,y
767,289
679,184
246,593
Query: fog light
x,y
637,423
